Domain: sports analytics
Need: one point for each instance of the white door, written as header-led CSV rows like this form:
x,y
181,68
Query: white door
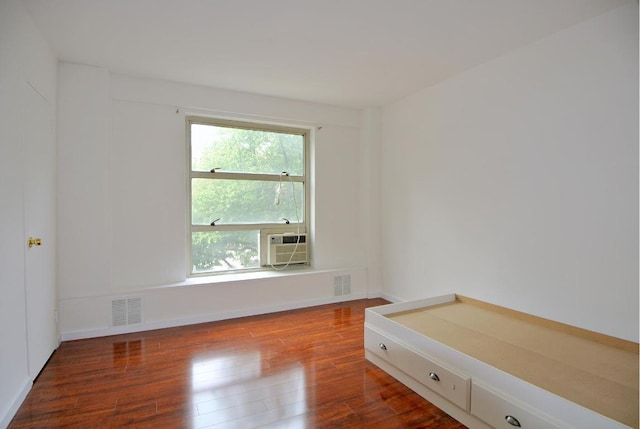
x,y
40,222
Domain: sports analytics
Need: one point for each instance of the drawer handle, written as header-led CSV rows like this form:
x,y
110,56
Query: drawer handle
x,y
512,421
434,376
382,346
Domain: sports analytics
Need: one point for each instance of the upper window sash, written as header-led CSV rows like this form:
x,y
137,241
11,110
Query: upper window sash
x,y
234,148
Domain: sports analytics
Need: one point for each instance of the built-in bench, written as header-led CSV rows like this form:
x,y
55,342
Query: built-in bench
x,y
489,366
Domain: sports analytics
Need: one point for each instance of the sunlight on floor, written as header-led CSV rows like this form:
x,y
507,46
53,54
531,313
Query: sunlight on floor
x,y
235,390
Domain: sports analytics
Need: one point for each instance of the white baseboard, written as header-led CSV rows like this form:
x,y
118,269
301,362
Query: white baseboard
x,y
391,298
12,409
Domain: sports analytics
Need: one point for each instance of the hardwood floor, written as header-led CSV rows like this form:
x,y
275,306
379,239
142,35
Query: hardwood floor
x,y
296,369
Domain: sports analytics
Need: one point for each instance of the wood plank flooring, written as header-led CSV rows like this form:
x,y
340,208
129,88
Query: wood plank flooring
x,y
295,369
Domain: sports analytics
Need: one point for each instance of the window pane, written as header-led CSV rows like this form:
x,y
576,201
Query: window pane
x,y
224,250
246,151
245,201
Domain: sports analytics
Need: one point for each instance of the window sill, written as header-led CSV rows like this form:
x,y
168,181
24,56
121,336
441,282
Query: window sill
x,y
245,276
219,279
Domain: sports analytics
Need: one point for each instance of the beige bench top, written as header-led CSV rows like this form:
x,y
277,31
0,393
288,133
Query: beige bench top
x,y
593,370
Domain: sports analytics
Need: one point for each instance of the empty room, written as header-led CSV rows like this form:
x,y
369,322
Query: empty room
x,y
317,214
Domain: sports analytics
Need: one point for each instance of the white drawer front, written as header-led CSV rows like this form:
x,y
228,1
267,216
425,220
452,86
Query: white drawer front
x,y
444,381
503,413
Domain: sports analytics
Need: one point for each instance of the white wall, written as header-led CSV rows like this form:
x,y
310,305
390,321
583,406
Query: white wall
x,y
122,198
27,67
516,182
372,207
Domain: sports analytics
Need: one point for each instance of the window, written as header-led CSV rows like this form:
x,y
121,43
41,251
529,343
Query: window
x,y
246,181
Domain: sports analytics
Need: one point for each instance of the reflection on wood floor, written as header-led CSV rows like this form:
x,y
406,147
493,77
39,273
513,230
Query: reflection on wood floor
x,y
296,369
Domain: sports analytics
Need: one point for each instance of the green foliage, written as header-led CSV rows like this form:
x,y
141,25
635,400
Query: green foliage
x,y
242,201
250,151
224,250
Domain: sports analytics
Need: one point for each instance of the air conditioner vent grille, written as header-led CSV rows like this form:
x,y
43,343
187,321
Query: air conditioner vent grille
x,y
288,249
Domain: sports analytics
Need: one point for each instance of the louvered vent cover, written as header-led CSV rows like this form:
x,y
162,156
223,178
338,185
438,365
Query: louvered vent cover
x,y
342,285
346,284
126,311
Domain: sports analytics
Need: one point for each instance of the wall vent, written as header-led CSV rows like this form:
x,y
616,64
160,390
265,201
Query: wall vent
x,y
126,311
342,285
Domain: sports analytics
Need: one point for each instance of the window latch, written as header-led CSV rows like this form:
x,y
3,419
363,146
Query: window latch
x,y
213,222
213,170
285,220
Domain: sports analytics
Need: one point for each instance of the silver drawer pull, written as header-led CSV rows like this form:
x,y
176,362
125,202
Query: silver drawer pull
x,y
434,376
382,346
512,421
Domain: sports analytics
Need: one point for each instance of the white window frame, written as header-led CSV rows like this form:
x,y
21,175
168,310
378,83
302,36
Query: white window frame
x,y
265,228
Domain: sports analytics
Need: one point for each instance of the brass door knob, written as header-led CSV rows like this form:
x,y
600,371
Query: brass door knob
x,y
34,242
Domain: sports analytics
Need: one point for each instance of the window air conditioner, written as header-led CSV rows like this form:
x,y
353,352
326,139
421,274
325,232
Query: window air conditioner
x,y
287,248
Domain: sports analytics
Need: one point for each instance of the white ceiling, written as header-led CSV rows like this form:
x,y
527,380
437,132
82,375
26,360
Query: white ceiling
x,y
352,53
